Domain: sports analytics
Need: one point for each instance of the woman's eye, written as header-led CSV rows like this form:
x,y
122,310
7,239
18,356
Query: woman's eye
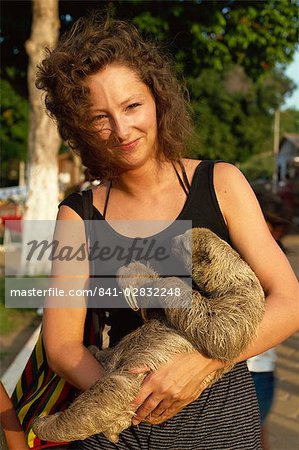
x,y
99,117
133,105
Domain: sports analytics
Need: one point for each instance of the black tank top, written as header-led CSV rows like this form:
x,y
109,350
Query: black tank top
x,y
201,207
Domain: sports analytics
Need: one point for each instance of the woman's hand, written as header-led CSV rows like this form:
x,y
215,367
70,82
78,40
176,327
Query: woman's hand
x,y
172,387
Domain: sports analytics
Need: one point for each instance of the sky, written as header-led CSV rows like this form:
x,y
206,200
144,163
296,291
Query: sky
x,y
292,71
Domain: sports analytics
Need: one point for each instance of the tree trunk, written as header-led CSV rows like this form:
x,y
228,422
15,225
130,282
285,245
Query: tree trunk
x,y
43,141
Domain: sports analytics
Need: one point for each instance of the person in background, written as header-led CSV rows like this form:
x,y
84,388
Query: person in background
x,y
12,436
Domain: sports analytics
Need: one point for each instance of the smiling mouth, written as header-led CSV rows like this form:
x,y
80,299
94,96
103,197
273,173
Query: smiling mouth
x,y
128,146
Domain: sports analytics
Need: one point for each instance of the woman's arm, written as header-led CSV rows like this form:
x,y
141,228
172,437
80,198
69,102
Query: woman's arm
x,y
177,383
66,354
63,327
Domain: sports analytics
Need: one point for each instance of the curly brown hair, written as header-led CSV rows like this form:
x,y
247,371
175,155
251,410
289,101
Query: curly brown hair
x,y
91,45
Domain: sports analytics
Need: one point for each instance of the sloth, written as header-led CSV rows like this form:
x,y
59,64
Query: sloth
x,y
218,319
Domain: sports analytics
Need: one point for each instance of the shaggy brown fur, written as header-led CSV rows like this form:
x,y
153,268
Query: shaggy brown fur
x,y
219,324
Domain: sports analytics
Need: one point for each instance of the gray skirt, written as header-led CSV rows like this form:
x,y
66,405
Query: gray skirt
x,y
224,417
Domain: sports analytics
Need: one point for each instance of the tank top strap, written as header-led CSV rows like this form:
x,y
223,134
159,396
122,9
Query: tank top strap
x,y
184,182
185,178
107,199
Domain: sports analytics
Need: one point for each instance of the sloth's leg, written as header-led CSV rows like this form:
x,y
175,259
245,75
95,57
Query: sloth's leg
x,y
104,408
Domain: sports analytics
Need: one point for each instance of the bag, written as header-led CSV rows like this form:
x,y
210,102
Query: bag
x,y
40,390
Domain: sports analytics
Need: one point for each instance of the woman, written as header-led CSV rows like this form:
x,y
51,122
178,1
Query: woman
x,y
117,102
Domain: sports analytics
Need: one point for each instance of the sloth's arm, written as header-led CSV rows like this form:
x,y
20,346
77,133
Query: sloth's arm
x,y
219,328
136,275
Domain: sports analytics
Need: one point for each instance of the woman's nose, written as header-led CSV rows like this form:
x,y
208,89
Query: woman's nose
x,y
120,127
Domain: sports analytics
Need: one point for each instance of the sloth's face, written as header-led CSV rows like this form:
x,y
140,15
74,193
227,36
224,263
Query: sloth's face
x,y
182,248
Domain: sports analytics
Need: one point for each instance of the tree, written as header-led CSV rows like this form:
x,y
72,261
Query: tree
x,y
212,34
258,167
13,130
289,121
43,141
233,114
262,165
216,45
199,33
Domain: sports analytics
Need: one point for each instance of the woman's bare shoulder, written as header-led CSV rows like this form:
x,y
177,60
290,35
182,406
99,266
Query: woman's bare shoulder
x,y
228,179
233,191
65,212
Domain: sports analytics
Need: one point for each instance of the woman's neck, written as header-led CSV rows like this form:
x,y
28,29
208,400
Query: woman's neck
x,y
146,178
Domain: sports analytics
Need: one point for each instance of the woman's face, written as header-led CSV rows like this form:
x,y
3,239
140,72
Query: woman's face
x,y
123,111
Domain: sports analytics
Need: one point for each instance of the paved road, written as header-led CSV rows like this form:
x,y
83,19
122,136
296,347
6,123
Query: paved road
x,y
283,421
